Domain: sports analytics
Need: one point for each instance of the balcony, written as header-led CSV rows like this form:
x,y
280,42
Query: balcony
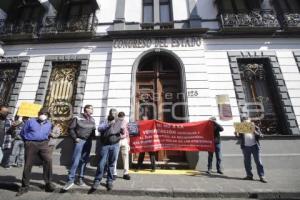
x,y
20,30
254,21
77,26
291,21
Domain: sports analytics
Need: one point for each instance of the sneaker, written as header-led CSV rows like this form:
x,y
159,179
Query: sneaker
x,y
126,177
95,185
14,165
208,172
263,180
7,167
68,186
22,190
114,177
220,172
248,178
49,187
81,183
109,187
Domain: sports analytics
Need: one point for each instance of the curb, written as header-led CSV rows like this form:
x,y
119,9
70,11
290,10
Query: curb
x,y
166,192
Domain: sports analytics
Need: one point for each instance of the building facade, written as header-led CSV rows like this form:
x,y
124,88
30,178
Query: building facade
x,y
176,61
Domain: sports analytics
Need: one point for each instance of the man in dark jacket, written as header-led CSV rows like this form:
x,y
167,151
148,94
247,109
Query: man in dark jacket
x,y
250,145
81,129
217,129
35,134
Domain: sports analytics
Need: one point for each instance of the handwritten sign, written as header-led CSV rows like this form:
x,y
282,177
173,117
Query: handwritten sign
x,y
29,109
244,127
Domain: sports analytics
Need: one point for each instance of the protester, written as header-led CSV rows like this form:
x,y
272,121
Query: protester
x,y
124,147
35,134
142,156
16,158
110,136
5,124
250,145
81,129
217,129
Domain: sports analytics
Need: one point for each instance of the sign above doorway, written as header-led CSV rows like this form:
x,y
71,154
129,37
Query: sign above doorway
x,y
157,42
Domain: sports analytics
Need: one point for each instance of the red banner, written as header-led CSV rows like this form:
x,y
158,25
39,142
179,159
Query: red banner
x,y
156,135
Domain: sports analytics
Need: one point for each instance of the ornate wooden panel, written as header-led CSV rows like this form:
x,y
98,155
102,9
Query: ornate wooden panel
x,y
61,92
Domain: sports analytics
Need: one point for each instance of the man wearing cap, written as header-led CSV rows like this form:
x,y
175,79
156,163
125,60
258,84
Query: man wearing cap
x,y
217,129
35,134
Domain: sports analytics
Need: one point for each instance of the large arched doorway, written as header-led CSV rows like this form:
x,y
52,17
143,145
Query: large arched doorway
x,y
160,94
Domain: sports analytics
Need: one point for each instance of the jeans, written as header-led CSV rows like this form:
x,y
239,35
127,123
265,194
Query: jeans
x,y
124,148
108,153
80,159
218,158
17,154
34,149
255,150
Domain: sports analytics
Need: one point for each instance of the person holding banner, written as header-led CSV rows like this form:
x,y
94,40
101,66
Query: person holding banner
x,y
249,140
142,156
217,129
35,134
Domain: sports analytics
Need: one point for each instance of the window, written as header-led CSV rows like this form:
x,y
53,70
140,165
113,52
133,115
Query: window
x,y
292,6
165,11
8,77
26,11
239,6
148,11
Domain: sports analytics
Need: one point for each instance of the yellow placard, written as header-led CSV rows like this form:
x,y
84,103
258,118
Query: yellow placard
x,y
29,109
244,127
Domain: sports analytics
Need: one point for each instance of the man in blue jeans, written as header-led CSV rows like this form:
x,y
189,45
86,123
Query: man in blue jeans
x,y
81,129
217,129
110,136
250,145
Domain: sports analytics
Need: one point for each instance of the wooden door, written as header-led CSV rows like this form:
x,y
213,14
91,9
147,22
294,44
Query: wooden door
x,y
158,88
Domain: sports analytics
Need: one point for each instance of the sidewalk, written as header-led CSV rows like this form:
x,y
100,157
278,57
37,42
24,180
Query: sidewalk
x,y
281,183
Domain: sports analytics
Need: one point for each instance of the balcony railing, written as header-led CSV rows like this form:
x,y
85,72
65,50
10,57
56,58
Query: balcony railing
x,y
84,23
9,28
292,20
254,19
77,26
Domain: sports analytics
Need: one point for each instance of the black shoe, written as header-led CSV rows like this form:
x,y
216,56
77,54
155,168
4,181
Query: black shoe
x,y
109,187
248,178
126,177
49,187
22,190
263,180
220,172
208,172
